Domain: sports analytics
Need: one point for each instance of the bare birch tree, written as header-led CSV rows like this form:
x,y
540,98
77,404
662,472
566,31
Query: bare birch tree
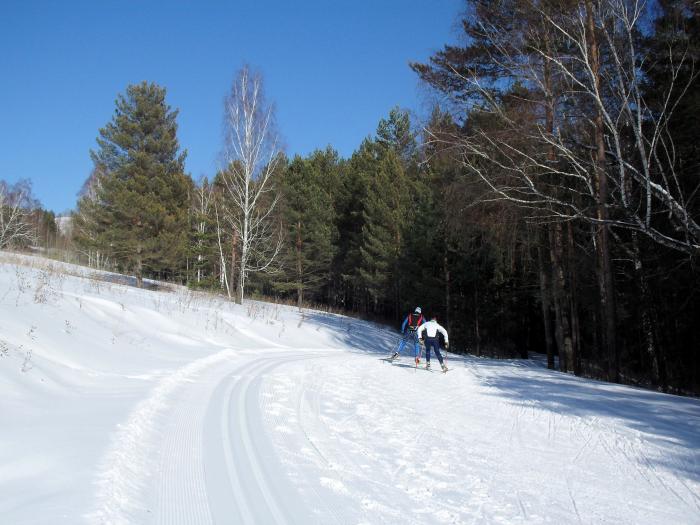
x,y
202,203
251,154
85,225
633,157
557,123
223,274
16,228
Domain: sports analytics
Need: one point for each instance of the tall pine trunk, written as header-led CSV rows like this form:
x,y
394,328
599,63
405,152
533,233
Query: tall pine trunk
x,y
446,273
477,335
545,299
139,266
300,285
560,296
561,299
575,324
602,242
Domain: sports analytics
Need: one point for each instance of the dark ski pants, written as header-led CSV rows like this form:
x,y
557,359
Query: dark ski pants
x,y
409,337
434,343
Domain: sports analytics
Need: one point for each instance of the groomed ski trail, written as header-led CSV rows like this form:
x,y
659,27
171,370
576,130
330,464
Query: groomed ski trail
x,y
196,450
297,436
244,477
128,466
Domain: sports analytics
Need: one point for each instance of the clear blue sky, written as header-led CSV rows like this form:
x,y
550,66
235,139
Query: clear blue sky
x,y
333,68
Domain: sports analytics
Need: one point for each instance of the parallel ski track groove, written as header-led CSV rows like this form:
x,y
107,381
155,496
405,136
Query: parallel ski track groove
x,y
185,498
241,419
259,501
128,466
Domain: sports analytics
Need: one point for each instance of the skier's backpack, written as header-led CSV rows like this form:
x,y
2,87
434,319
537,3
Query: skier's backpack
x,y
414,321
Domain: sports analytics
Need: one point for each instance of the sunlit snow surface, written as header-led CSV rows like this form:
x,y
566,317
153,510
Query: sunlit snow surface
x,y
120,405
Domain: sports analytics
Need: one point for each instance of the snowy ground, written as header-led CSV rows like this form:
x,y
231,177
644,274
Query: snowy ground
x,y
120,405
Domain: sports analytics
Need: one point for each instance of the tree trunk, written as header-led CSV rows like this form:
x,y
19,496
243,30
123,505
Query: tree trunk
x,y
548,289
575,325
607,301
396,277
446,270
234,253
604,263
241,284
476,321
649,321
300,286
139,268
545,299
560,299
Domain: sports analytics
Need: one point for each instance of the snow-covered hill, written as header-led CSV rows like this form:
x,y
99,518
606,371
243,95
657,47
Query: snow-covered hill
x,y
121,405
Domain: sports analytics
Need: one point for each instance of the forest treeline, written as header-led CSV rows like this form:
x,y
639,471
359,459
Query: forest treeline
x,y
549,203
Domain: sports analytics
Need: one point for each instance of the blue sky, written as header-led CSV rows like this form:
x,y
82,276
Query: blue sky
x,y
333,68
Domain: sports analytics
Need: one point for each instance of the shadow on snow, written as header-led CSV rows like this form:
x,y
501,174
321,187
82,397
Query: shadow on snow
x,y
666,420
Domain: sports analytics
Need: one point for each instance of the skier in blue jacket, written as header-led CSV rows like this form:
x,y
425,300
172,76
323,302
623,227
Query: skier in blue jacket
x,y
432,340
408,329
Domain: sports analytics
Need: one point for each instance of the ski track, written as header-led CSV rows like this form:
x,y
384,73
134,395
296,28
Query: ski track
x,y
340,458
181,490
129,464
226,439
211,461
331,441
260,495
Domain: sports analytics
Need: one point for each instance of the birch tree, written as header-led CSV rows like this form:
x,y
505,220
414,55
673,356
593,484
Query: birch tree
x,y
16,205
252,154
203,232
86,227
632,154
558,125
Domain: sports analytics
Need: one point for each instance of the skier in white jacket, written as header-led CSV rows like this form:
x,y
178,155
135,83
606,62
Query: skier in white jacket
x,y
431,329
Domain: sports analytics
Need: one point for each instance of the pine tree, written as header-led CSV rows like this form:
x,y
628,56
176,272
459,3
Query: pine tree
x,y
395,133
384,217
140,206
375,208
349,200
309,216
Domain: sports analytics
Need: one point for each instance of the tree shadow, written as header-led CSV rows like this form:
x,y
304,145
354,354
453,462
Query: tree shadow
x,y
671,422
128,280
360,336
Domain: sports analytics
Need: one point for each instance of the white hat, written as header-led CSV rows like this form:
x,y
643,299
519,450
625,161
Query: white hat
x,y
417,310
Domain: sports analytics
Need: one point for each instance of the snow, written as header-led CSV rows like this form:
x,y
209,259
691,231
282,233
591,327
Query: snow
x,y
124,405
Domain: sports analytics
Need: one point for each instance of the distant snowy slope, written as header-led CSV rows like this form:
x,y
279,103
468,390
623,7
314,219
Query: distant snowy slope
x,y
122,405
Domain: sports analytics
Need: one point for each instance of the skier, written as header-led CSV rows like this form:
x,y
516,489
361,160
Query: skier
x,y
432,331
408,329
